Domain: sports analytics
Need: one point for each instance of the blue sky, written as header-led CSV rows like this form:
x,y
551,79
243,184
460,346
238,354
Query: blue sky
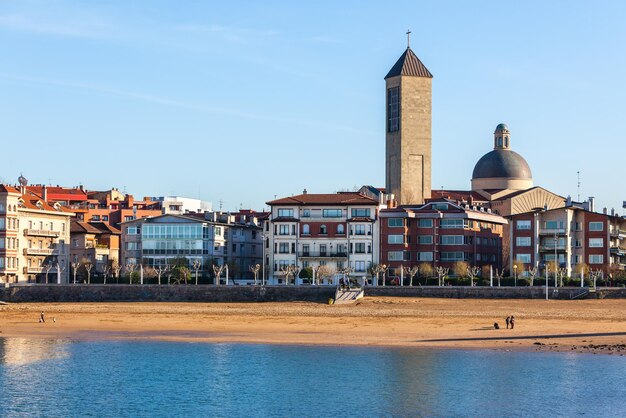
x,y
242,101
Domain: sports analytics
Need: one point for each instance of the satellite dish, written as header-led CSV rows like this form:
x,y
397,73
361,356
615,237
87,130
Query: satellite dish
x,y
22,180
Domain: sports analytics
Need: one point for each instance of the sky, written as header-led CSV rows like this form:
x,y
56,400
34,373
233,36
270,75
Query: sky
x,y
243,101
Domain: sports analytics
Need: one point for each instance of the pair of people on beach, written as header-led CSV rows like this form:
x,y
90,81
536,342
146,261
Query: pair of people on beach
x,y
510,320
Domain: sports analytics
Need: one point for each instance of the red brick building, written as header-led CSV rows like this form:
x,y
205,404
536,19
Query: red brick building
x,y
440,233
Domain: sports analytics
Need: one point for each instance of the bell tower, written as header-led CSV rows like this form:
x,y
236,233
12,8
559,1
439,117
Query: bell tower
x,y
408,129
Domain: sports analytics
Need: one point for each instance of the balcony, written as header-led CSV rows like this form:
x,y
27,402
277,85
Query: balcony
x,y
618,233
552,231
619,251
38,270
322,254
551,248
41,251
41,233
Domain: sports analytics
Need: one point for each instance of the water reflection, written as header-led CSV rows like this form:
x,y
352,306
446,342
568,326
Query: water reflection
x,y
21,351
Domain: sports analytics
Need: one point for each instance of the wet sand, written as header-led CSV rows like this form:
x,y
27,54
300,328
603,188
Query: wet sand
x,y
595,326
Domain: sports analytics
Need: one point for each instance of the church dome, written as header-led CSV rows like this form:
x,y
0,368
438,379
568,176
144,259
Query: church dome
x,y
502,168
502,163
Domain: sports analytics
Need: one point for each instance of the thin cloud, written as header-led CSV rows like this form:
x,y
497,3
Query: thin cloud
x,y
182,104
81,28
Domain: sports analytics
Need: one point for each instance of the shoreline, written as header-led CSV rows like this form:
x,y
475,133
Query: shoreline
x,y
587,326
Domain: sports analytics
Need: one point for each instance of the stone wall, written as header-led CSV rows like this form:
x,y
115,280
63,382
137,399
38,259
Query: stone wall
x,y
320,294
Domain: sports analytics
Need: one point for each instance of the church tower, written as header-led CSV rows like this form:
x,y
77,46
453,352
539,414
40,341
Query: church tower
x,y
408,130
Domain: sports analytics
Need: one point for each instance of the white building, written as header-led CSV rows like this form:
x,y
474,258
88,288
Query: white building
x,y
340,231
178,205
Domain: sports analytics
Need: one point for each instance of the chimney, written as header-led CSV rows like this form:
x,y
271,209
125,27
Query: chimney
x,y
592,206
304,191
612,211
44,193
605,211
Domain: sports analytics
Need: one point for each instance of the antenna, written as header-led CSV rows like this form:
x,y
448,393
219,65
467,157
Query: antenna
x,y
221,204
578,174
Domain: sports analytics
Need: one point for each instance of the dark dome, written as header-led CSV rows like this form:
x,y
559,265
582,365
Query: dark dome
x,y
502,163
502,127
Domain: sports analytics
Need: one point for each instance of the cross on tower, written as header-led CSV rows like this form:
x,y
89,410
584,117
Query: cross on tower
x,y
408,38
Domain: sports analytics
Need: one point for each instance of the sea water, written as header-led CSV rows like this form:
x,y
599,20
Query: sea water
x,y
68,378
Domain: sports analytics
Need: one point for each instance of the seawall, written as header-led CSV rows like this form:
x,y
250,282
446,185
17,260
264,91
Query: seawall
x,y
210,293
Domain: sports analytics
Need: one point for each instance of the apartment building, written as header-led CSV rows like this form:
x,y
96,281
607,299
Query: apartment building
x,y
440,233
211,238
34,237
573,235
95,242
336,230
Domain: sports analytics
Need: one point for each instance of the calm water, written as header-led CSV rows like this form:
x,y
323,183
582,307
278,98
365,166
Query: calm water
x,y
128,378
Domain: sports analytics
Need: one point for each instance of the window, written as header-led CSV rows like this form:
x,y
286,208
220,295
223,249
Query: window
x,y
596,259
425,223
218,230
440,206
596,242
323,230
305,250
75,243
332,213
361,212
105,218
341,229
451,240
1,223
359,266
359,248
393,109
425,239
425,256
452,223
523,258
522,241
95,218
286,213
359,229
596,226
131,245
283,248
452,256
128,218
395,255
305,229
523,225
395,239
234,248
1,207
283,230
395,222
306,213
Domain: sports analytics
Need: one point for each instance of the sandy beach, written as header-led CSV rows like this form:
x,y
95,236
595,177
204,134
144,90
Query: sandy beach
x,y
597,326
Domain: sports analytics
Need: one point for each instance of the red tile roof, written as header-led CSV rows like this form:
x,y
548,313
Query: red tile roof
x,y
347,198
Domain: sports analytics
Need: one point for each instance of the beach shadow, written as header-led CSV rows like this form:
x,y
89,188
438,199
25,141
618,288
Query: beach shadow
x,y
482,329
525,337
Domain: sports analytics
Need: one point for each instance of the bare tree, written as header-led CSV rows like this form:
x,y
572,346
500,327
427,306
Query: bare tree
x,y
46,268
218,270
325,272
130,269
289,271
561,273
160,271
595,274
377,269
75,266
411,272
117,268
105,272
442,272
254,268
472,272
60,269
196,265
88,266
499,275
532,272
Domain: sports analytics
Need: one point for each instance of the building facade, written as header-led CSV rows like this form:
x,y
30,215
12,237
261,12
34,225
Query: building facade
x,y
34,238
339,231
211,239
574,236
440,233
97,243
408,130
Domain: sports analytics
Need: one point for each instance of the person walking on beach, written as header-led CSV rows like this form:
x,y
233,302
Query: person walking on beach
x,y
512,322
42,318
508,321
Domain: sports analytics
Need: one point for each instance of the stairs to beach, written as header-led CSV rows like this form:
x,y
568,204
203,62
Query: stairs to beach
x,y
348,296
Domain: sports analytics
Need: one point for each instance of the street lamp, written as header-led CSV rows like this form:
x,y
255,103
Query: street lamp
x,y
555,260
515,269
263,236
